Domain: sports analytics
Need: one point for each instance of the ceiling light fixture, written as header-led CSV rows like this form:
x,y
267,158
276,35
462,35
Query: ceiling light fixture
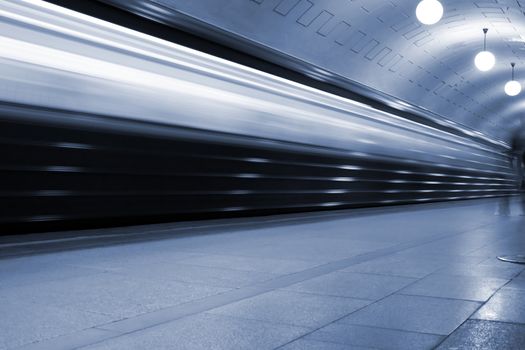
x,y
429,11
485,60
513,87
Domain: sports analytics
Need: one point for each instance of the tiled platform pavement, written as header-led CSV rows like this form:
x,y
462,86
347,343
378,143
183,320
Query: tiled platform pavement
x,y
411,277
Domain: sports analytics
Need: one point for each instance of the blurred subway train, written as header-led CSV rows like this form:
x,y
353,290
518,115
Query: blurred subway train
x,y
103,124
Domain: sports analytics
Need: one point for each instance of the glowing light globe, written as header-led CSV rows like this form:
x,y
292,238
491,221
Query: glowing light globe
x,y
429,11
512,88
485,61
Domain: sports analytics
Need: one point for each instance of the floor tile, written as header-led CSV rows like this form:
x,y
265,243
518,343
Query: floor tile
x,y
457,245
274,266
206,332
399,266
315,249
475,334
110,294
23,323
211,276
521,275
30,272
415,314
500,248
494,269
443,257
378,338
302,344
299,309
455,287
116,261
507,305
517,283
354,285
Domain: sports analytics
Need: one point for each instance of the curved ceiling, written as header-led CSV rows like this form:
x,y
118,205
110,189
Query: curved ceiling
x,y
380,44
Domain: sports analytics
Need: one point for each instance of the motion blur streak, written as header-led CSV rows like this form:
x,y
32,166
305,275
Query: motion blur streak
x,y
165,131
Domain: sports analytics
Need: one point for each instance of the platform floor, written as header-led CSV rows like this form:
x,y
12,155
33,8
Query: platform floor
x,y
411,277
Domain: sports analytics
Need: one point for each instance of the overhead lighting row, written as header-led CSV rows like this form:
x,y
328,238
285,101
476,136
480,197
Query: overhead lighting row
x,y
431,11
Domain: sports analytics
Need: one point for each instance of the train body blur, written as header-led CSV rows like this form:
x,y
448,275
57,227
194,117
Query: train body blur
x,y
98,122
